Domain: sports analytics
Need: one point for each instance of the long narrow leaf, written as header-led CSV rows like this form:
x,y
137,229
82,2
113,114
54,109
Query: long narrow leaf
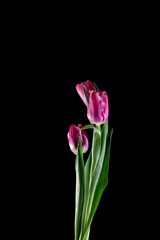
x,y
86,96
97,88
103,180
79,167
86,188
96,148
87,234
96,175
100,162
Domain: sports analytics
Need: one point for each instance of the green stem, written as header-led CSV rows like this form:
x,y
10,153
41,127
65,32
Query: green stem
x,y
87,237
89,127
97,128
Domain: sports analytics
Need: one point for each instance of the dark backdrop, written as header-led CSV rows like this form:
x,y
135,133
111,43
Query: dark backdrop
x,y
114,53
117,208
50,165
47,172
52,105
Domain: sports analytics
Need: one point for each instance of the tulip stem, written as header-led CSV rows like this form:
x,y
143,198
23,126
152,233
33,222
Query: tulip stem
x,y
91,127
98,127
87,127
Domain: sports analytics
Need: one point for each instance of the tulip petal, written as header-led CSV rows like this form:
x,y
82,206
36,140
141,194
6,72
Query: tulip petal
x,y
73,138
84,136
105,106
81,93
94,112
88,86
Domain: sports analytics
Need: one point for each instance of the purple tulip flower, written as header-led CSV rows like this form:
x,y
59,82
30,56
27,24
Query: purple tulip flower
x,y
73,138
88,86
98,108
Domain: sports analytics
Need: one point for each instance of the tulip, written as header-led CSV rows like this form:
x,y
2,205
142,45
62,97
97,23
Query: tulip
x,y
98,108
73,138
88,86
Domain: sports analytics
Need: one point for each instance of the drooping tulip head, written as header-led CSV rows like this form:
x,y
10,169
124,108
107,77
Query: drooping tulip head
x,y
88,86
73,138
98,108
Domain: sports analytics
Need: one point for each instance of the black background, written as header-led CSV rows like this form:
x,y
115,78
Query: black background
x,y
46,176
47,61
49,190
118,206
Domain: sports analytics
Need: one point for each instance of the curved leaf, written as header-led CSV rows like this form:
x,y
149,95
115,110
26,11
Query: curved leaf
x,y
97,172
97,88
86,188
86,96
79,167
96,176
103,179
96,148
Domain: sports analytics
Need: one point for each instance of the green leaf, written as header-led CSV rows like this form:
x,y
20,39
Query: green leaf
x,y
79,167
103,179
100,162
86,187
86,237
86,96
96,175
97,88
89,169
96,148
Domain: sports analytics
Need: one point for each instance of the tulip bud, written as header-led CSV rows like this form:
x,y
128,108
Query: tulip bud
x,y
73,138
98,109
88,86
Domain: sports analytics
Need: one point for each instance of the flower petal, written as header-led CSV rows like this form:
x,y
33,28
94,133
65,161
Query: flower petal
x,y
88,86
105,106
94,112
73,137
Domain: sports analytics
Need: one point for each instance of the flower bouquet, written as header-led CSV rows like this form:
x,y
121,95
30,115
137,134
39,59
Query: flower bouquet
x,y
91,175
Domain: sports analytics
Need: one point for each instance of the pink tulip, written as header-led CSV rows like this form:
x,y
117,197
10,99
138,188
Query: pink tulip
x,y
98,108
88,86
73,138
